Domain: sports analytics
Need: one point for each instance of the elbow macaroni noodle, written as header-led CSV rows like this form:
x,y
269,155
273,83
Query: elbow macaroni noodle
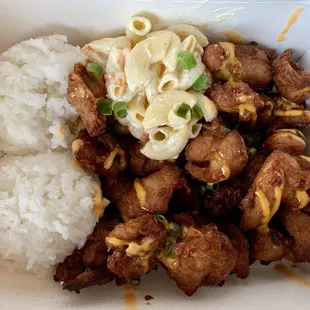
x,y
141,69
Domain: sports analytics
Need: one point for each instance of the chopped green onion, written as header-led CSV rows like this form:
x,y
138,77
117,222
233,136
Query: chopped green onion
x,y
236,126
183,110
105,106
160,218
300,134
252,152
212,187
187,60
254,140
169,249
224,129
201,190
94,69
135,281
201,83
174,231
120,109
196,112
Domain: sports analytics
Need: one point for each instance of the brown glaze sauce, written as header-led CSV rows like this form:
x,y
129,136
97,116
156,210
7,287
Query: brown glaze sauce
x,y
130,298
282,269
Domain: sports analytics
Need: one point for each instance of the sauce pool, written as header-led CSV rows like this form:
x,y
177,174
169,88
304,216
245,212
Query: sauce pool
x,y
291,21
130,298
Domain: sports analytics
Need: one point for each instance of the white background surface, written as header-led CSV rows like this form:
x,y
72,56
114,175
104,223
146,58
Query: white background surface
x,y
83,20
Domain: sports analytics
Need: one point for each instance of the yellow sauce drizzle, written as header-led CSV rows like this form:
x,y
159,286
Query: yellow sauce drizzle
x,y
291,21
249,106
306,158
130,298
230,62
290,113
76,145
141,193
302,198
99,202
233,36
291,275
76,164
61,131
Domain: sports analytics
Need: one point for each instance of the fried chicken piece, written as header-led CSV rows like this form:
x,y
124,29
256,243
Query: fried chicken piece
x,y
241,244
183,219
100,155
291,141
70,268
204,257
134,246
152,193
142,166
87,266
246,63
281,179
287,114
213,159
296,224
83,92
264,197
115,186
303,162
268,247
253,167
227,197
291,81
236,98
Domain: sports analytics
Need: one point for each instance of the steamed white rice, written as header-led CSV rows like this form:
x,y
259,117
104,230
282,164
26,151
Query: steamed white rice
x,y
45,210
35,115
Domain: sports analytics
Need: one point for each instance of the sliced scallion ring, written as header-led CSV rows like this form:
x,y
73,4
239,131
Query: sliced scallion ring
x,y
196,112
105,106
183,110
160,218
212,187
120,109
201,83
169,249
187,60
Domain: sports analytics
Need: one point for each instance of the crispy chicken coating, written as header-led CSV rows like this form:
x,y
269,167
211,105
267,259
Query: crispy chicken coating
x,y
241,244
83,92
296,224
115,186
142,166
291,81
213,159
204,257
253,167
236,98
226,198
303,162
246,63
281,180
291,141
135,245
287,114
87,266
268,247
101,155
152,193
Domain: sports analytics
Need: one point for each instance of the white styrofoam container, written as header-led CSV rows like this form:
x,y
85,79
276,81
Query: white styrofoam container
x,y
84,20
